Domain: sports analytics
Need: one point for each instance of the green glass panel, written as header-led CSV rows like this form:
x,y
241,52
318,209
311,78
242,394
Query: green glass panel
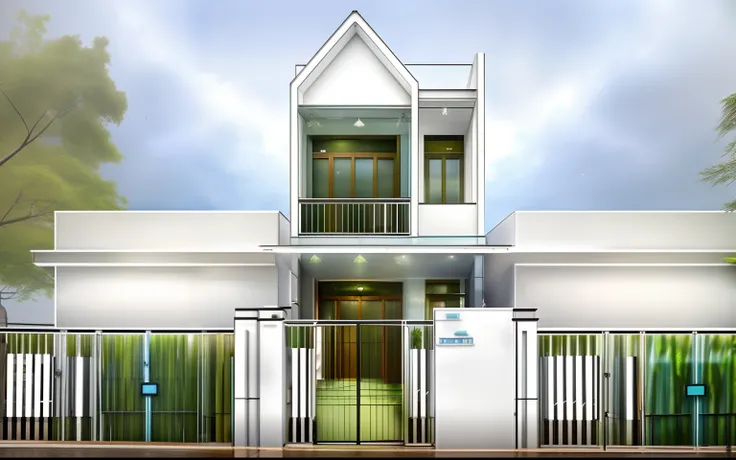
x,y
342,168
717,371
452,181
668,412
364,177
327,309
385,178
122,408
434,181
320,178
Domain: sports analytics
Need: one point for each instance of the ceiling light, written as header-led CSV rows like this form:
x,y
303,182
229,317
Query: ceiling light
x,y
403,257
360,260
315,260
358,123
452,257
360,288
444,111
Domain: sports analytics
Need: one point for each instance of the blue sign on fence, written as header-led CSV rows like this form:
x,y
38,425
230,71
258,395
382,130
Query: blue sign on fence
x,y
456,341
695,390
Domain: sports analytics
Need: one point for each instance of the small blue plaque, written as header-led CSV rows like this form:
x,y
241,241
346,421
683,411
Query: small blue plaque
x,y
452,315
149,389
456,341
461,333
695,390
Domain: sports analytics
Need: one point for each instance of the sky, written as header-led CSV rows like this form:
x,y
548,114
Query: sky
x,y
607,104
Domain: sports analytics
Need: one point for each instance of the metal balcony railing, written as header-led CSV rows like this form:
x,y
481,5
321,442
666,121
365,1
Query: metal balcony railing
x,y
382,216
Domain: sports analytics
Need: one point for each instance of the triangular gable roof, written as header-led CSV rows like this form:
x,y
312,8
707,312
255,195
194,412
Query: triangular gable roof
x,y
352,26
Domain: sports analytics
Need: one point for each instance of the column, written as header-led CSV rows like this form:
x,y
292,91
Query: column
x,y
272,377
475,296
245,391
527,387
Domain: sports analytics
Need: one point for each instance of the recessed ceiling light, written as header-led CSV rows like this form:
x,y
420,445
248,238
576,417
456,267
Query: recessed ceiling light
x,y
403,257
315,260
360,260
360,288
444,111
452,257
358,123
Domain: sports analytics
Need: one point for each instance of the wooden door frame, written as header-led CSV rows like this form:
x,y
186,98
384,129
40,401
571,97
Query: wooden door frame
x,y
360,299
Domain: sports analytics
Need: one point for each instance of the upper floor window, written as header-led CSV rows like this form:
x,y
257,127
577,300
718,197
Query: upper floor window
x,y
357,167
443,169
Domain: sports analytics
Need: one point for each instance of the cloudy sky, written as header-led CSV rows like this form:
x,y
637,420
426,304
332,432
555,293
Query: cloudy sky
x,y
591,104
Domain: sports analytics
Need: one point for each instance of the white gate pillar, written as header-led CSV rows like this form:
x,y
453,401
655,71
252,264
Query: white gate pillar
x,y
527,381
245,386
272,376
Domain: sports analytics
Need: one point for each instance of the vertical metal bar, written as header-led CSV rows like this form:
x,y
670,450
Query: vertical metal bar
x,y
199,338
357,380
642,389
63,385
146,377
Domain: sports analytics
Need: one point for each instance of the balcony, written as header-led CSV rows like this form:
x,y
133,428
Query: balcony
x,y
354,216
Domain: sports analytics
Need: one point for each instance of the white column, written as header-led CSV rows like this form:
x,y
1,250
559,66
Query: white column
x,y
245,391
272,376
527,387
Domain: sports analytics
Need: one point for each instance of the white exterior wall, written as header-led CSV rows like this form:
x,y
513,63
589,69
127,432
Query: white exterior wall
x,y
160,297
629,296
167,230
559,230
356,77
448,219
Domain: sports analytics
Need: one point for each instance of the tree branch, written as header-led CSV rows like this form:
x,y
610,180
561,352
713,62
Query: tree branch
x,y
16,110
12,206
31,214
30,135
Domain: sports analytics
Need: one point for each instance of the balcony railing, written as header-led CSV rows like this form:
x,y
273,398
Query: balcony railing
x,y
382,216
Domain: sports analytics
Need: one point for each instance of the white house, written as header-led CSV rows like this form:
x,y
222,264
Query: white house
x,y
386,230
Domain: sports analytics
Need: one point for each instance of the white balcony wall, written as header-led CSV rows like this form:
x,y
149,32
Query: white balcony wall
x,y
187,231
357,77
448,219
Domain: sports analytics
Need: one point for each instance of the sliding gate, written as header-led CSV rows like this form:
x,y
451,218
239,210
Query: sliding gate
x,y
349,382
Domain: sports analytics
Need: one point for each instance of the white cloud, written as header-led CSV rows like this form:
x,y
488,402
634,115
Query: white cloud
x,y
222,100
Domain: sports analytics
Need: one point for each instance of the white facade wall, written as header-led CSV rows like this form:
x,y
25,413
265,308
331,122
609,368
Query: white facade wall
x,y
160,297
626,296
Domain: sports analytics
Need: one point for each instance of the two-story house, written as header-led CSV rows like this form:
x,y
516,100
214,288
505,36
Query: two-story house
x,y
385,230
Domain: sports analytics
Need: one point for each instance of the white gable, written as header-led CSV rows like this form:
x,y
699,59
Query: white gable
x,y
356,76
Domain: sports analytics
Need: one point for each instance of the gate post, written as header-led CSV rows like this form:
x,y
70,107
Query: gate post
x,y
272,377
245,386
527,379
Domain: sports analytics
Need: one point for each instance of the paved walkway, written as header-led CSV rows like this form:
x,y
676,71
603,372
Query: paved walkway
x,y
101,450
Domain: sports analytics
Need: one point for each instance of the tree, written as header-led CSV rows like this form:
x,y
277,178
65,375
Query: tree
x,y
724,173
56,102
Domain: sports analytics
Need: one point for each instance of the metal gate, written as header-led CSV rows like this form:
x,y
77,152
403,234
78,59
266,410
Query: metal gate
x,y
590,390
349,381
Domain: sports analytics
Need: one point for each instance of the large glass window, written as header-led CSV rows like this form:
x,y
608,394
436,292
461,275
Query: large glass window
x,y
355,168
443,169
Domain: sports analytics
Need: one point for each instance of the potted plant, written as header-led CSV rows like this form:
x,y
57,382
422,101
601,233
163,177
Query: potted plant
x,y
416,338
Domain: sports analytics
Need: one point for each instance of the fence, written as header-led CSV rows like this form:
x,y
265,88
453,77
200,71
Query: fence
x,y
618,389
360,382
87,387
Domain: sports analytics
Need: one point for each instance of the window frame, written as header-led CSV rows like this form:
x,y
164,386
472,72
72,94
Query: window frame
x,y
444,157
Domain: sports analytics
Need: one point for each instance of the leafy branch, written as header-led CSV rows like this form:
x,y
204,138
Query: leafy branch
x,y
38,128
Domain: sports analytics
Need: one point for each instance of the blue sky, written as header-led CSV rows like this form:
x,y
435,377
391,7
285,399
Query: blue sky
x,y
590,105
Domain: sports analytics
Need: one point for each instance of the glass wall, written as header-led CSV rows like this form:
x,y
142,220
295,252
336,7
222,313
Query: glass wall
x,y
643,387
87,387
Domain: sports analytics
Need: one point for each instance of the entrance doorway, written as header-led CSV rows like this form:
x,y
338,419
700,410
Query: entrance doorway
x,y
359,391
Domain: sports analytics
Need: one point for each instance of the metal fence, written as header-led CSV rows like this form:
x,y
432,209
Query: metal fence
x,y
87,387
629,389
360,382
354,216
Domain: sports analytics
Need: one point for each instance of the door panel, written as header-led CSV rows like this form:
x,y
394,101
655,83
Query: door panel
x,y
349,311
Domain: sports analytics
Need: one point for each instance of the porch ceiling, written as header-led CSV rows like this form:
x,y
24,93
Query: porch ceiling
x,y
386,266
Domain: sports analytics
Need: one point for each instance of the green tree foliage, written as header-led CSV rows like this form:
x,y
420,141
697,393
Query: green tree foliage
x,y
724,173
56,101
